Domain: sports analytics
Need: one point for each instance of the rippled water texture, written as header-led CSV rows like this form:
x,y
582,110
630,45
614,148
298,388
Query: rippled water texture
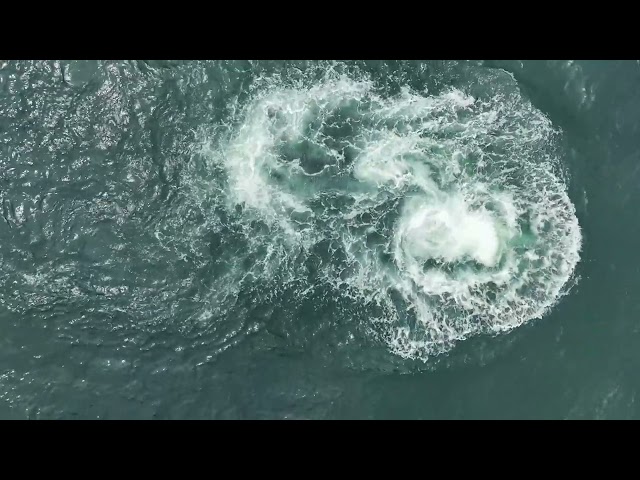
x,y
300,239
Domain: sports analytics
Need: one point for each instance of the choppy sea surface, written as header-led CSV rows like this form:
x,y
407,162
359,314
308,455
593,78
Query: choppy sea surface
x,y
319,240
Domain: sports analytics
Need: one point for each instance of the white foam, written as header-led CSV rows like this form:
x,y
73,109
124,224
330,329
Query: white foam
x,y
482,235
448,231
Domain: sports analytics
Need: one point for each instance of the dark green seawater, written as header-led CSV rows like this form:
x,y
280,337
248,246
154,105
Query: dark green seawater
x,y
319,240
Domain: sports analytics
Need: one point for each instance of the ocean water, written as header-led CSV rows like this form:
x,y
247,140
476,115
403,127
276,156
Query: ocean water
x,y
319,239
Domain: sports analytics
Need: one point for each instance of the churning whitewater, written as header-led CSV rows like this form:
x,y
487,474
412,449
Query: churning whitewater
x,y
446,210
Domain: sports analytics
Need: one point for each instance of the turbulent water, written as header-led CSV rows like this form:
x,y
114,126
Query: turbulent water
x,y
316,239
